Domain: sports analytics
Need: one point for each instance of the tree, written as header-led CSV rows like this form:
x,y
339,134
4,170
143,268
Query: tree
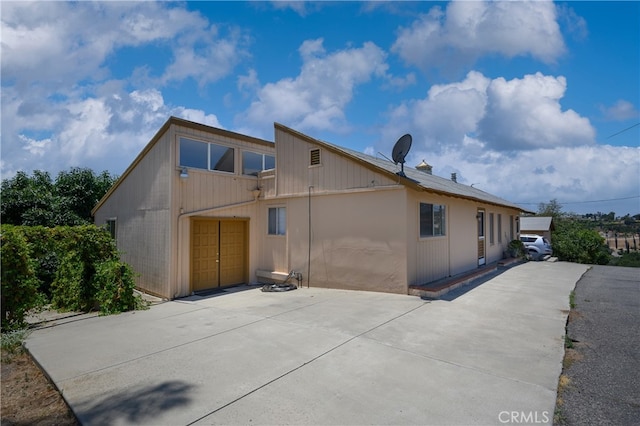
x,y
37,200
553,208
80,190
28,200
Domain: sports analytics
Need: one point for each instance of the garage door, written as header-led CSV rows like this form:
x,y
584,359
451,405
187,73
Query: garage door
x,y
218,253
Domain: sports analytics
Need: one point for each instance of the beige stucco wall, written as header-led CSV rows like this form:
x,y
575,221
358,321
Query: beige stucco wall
x,y
434,258
355,244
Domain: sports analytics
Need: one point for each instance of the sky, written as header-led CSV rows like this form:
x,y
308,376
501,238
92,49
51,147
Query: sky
x,y
530,101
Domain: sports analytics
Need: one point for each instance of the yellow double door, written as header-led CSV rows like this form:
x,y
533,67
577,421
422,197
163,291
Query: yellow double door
x,y
218,253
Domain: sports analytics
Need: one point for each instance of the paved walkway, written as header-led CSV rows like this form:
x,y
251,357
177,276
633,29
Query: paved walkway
x,y
604,375
491,355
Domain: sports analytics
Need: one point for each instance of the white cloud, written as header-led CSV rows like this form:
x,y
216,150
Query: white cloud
x,y
103,133
317,97
526,113
302,8
72,40
620,111
208,57
197,116
518,114
35,147
513,139
569,174
470,29
61,105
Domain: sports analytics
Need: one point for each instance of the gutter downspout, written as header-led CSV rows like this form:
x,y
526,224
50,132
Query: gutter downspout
x,y
309,243
256,194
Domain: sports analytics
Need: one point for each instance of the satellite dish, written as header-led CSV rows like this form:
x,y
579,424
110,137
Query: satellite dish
x,y
400,150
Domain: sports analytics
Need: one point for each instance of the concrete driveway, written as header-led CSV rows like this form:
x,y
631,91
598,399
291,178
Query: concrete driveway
x,y
316,356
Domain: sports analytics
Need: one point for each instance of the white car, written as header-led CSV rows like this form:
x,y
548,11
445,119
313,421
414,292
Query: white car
x,y
536,246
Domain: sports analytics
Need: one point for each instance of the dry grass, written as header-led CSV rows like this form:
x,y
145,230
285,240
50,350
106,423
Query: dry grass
x,y
28,398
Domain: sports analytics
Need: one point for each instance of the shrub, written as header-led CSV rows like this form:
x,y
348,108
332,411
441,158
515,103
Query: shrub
x,y
115,282
68,288
574,243
77,268
627,259
516,248
19,281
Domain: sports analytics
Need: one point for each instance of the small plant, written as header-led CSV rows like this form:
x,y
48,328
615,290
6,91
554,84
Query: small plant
x,y
572,299
568,342
11,342
516,249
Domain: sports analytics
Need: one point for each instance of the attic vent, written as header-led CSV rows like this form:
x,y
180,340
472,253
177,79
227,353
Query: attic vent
x,y
315,157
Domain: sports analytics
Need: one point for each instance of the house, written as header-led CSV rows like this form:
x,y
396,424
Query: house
x,y
202,208
538,225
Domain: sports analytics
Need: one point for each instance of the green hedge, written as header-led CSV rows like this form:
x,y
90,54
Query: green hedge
x,y
572,242
74,268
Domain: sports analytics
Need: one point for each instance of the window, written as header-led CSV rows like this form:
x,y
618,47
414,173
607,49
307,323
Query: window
x,y
432,220
193,154
207,156
221,158
480,217
499,228
253,163
511,227
277,220
314,157
111,227
491,229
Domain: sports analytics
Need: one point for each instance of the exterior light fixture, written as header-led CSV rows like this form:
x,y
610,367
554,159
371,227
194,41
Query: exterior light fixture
x,y
184,174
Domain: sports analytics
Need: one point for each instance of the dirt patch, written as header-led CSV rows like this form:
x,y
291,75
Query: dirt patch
x,y
28,398
570,356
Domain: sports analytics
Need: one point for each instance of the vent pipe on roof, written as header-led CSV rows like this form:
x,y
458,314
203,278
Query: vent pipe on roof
x,y
424,167
454,177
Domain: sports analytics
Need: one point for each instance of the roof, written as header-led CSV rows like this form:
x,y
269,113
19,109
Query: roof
x,y
536,223
417,179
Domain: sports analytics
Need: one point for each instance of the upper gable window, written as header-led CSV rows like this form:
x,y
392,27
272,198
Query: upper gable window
x,y
253,163
314,157
207,156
